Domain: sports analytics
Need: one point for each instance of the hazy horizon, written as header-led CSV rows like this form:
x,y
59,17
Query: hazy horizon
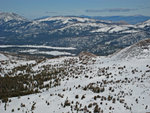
x,y
38,8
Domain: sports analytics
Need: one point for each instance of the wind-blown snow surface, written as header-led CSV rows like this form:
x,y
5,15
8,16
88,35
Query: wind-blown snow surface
x,y
3,57
126,83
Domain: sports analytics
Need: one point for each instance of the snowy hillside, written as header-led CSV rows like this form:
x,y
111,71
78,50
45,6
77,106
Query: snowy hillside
x,y
139,50
85,83
83,23
10,16
66,19
144,24
3,57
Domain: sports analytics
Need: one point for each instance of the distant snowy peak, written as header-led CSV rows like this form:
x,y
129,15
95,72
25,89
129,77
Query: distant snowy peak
x,y
69,19
11,16
138,50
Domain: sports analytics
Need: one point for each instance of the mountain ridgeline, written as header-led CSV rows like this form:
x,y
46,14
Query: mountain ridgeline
x,y
96,36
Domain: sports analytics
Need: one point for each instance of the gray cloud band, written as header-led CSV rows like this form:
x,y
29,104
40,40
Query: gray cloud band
x,y
110,10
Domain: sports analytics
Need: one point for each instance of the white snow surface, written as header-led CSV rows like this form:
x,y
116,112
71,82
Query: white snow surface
x,y
54,53
66,19
11,16
138,50
146,23
115,28
118,28
127,80
102,29
38,46
3,57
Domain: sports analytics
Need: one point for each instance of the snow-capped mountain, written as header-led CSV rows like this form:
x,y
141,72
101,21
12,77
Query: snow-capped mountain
x,y
95,36
85,83
67,19
129,19
5,17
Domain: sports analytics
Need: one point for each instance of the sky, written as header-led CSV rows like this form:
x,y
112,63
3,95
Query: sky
x,y
38,8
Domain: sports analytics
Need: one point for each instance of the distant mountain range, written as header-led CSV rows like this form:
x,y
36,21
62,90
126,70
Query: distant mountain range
x,y
100,37
128,19
118,83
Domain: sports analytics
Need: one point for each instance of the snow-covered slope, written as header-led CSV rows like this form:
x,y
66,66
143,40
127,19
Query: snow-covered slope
x,y
71,19
11,16
86,83
117,29
139,50
66,19
144,24
3,57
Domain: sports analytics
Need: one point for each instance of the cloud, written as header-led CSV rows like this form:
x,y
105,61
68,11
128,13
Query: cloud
x,y
63,12
51,12
110,10
145,8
